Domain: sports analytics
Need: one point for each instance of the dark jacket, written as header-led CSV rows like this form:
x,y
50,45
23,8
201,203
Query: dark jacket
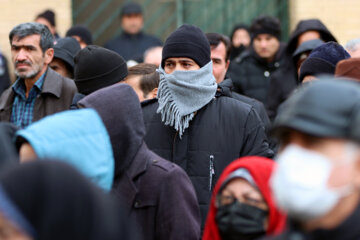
x,y
250,73
4,74
56,96
220,132
132,47
158,194
283,81
8,153
226,87
347,230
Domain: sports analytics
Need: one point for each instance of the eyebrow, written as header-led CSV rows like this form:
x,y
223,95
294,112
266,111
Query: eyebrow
x,y
23,46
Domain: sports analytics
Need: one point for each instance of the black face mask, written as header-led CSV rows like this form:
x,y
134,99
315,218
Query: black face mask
x,y
240,221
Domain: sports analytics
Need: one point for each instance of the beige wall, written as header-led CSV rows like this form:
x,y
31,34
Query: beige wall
x,y
340,16
13,12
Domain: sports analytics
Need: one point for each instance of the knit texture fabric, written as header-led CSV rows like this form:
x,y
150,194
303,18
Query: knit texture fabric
x,y
182,93
187,41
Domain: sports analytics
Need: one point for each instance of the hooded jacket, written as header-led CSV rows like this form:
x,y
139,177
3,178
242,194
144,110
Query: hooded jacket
x,y
76,137
51,200
260,169
250,73
158,193
284,80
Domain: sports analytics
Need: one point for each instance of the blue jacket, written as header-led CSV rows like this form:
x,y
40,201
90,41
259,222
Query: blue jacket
x,y
78,138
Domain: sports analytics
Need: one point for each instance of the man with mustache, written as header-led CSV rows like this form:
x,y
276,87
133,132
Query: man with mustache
x,y
38,91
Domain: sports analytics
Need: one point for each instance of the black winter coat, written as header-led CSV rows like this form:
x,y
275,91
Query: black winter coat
x,y
347,230
220,132
158,194
284,80
250,73
226,87
132,47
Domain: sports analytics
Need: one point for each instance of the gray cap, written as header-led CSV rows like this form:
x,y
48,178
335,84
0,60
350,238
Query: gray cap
x,y
307,47
328,107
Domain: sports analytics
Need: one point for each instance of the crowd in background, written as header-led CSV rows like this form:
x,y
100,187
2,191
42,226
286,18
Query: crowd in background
x,y
204,136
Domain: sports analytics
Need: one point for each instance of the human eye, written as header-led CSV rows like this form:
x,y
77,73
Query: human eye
x,y
225,200
253,201
169,64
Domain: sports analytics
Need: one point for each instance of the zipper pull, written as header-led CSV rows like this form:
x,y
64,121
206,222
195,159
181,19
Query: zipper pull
x,y
212,171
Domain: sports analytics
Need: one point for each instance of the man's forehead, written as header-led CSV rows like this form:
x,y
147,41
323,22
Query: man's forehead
x,y
33,39
180,59
219,50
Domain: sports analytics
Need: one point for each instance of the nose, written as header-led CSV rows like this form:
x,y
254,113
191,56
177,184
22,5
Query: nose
x,y
21,55
263,43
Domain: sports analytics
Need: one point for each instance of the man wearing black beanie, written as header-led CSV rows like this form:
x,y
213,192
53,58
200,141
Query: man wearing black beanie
x,y
190,125
95,68
251,70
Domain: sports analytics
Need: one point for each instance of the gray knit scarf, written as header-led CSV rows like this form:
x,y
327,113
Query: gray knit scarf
x,y
182,93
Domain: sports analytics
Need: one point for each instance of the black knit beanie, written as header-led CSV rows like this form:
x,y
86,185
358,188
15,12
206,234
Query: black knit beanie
x,y
323,60
48,15
187,41
266,25
97,67
81,31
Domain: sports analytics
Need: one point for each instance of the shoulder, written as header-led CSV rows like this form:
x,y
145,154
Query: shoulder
x,y
152,38
243,56
228,104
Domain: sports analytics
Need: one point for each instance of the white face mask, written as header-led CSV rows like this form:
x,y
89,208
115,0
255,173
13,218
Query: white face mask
x,y
300,182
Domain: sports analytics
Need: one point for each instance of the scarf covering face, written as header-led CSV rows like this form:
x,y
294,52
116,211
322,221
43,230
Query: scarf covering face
x,y
182,93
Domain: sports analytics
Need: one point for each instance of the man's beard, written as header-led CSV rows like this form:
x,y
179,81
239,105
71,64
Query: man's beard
x,y
35,69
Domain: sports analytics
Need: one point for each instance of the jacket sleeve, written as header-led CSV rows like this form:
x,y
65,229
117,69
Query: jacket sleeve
x,y
255,139
178,214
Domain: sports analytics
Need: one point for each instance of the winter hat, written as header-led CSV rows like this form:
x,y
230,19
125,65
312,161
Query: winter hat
x,y
66,49
305,47
323,60
265,25
325,108
131,8
81,31
97,67
349,68
187,41
48,15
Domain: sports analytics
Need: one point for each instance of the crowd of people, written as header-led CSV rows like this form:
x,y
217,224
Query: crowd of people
x,y
203,136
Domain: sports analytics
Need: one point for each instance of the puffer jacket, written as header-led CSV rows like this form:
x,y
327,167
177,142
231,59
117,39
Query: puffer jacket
x,y
220,132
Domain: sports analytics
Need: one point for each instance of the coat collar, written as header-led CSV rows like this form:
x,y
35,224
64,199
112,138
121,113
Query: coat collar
x,y
52,84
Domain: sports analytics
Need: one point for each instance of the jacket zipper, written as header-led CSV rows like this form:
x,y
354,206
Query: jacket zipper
x,y
212,172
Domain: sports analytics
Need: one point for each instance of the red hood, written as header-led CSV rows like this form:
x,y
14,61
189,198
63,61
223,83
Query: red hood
x,y
260,169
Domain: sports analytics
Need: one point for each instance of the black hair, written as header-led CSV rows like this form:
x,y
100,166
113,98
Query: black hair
x,y
216,38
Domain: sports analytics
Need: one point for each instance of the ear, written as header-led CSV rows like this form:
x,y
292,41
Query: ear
x,y
227,65
49,55
154,92
357,170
